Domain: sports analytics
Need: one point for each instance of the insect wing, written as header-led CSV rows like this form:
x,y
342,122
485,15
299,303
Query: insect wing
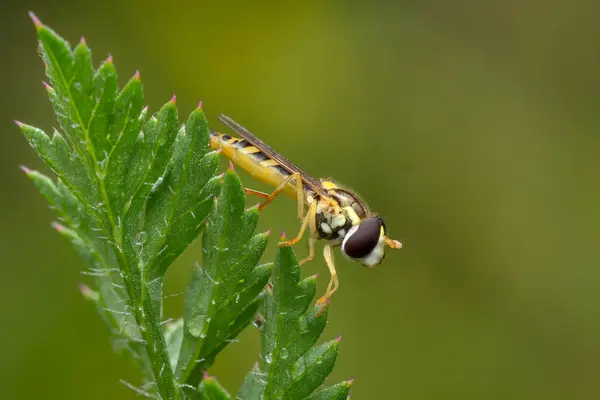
x,y
312,183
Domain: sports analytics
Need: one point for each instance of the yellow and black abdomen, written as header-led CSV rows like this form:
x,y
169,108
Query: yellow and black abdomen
x,y
252,160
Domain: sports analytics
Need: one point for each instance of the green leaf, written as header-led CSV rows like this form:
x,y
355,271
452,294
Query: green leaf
x,y
177,208
210,389
174,337
83,232
131,194
340,391
311,369
254,384
291,367
221,298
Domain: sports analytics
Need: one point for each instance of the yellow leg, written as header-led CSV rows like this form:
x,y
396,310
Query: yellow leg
x,y
312,244
295,240
256,193
278,190
299,196
333,281
270,197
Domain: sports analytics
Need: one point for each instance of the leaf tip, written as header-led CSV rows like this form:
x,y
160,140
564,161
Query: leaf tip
x,y
173,99
206,376
322,305
109,59
59,227
137,75
18,123
338,339
283,237
349,382
199,107
47,86
25,169
82,41
86,291
231,166
36,21
268,233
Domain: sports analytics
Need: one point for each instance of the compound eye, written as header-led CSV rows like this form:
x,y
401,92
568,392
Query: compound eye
x,y
364,239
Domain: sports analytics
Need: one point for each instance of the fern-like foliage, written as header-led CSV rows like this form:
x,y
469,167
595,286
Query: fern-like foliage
x,y
291,366
222,295
132,191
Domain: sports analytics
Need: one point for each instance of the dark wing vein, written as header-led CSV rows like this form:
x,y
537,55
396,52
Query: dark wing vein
x,y
311,182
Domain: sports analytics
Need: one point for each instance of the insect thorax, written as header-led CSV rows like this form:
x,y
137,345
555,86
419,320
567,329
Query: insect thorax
x,y
346,198
333,219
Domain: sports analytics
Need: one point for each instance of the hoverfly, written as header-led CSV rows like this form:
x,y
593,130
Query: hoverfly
x,y
333,214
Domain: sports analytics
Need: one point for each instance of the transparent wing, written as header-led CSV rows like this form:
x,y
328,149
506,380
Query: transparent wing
x,y
311,182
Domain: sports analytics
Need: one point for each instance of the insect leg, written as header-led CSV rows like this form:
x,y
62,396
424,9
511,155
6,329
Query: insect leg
x,y
279,189
256,193
312,244
300,196
295,240
333,281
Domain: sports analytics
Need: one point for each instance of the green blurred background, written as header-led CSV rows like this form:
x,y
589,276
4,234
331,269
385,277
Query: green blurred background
x,y
470,126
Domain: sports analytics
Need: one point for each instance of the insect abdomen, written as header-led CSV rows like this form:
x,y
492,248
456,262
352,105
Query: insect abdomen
x,y
252,160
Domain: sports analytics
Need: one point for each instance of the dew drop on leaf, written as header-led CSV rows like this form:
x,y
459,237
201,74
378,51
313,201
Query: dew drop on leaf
x,y
284,353
142,237
259,321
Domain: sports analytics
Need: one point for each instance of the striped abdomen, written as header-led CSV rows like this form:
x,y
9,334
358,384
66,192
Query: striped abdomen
x,y
252,160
